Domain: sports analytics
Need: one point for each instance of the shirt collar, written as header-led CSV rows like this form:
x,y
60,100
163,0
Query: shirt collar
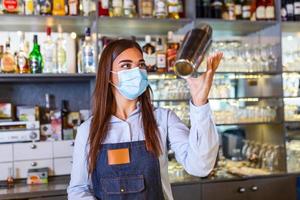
x,y
134,113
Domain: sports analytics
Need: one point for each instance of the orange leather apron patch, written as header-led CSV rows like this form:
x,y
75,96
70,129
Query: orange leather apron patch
x,y
118,156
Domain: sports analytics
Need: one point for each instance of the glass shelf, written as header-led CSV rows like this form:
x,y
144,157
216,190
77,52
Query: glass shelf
x,y
220,99
139,26
290,26
45,77
38,23
236,27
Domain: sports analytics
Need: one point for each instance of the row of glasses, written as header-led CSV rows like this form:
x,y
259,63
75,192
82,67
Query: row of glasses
x,y
293,155
291,84
291,53
245,57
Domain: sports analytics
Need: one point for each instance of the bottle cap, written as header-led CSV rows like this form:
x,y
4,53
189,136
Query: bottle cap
x,y
87,31
48,30
35,39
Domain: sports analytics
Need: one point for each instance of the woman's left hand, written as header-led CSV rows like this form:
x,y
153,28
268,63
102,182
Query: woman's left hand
x,y
200,86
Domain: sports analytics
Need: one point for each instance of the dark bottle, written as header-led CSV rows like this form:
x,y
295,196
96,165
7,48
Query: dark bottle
x,y
270,9
199,9
64,116
297,10
216,8
35,57
238,9
283,10
207,12
290,10
246,9
261,9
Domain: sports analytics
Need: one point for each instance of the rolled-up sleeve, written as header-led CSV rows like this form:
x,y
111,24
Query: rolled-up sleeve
x,y
80,187
196,149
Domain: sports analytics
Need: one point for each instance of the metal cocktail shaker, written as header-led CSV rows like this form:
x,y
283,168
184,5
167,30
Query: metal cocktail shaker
x,y
192,51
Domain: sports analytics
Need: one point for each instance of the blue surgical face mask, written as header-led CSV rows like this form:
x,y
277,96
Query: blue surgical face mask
x,y
132,82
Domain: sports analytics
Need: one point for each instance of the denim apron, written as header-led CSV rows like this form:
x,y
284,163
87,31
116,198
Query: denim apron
x,y
138,180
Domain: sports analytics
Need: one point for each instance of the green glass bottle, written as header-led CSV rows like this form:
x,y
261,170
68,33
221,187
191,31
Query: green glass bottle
x,y
35,57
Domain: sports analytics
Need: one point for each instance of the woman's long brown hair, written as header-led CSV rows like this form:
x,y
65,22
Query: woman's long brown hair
x,y
103,102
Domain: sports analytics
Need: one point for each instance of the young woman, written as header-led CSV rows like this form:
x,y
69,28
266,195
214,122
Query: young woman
x,y
121,151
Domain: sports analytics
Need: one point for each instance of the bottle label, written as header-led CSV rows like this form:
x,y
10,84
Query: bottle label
x,y
61,56
260,12
173,9
160,7
73,7
290,9
29,7
231,11
150,59
147,8
10,5
35,66
104,4
246,11
161,61
117,3
45,6
22,62
173,1
88,57
128,4
270,12
297,8
238,9
283,13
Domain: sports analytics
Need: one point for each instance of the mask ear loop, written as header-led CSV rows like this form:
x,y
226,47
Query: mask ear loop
x,y
112,82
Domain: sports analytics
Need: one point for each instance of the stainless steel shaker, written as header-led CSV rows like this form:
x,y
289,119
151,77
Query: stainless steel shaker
x,y
192,51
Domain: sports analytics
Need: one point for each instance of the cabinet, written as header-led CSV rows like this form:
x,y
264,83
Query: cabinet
x,y
279,188
21,167
33,151
6,153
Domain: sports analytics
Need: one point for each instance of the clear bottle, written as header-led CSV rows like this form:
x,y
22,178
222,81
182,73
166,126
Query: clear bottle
x,y
73,7
8,64
161,56
35,57
29,7
80,68
116,8
88,53
160,9
145,8
103,7
129,8
86,7
49,54
173,9
61,53
22,59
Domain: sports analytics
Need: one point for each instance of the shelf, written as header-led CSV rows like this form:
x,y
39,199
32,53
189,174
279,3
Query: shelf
x,y
291,71
139,26
236,27
38,23
290,26
231,98
46,77
252,123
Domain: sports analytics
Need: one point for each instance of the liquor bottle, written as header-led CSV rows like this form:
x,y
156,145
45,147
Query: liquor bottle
x,y
29,7
181,8
230,9
88,53
270,9
116,8
22,59
261,9
172,48
73,7
290,10
283,11
145,8
246,9
11,6
35,57
58,7
1,55
45,7
80,68
8,64
36,7
46,116
216,8
149,54
238,9
161,56
206,9
129,8
160,9
173,9
297,10
103,7
61,53
86,7
49,54
64,117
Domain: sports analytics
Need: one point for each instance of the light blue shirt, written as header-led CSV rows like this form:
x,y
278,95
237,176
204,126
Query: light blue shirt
x,y
196,149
